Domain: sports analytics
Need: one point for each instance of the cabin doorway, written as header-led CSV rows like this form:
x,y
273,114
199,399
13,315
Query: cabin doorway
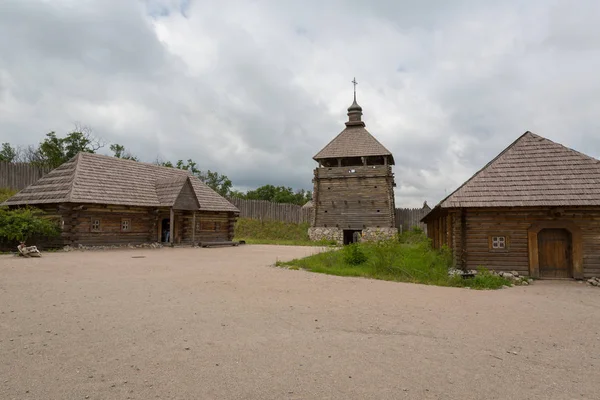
x,y
351,236
554,248
165,229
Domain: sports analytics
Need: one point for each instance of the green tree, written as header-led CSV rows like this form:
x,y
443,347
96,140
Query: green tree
x,y
217,182
119,151
279,194
23,223
8,153
214,180
54,151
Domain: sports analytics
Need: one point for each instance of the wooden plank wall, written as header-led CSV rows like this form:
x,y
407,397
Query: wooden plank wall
x,y
269,211
18,176
408,218
354,197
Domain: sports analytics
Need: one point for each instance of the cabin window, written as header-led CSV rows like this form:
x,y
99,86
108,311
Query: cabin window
x,y
125,225
95,227
498,242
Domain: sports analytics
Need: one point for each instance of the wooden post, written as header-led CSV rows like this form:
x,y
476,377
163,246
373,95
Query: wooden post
x,y
194,227
463,239
339,162
171,226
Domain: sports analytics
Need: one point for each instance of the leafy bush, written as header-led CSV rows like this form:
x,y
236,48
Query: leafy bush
x,y
483,280
6,193
354,255
23,223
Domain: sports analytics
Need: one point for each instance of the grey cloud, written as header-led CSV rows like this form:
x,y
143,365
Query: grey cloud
x,y
255,89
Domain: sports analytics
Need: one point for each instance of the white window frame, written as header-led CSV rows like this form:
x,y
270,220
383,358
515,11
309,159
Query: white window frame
x,y
499,243
125,224
96,227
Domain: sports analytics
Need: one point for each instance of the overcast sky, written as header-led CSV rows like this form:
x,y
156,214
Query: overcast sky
x,y
254,89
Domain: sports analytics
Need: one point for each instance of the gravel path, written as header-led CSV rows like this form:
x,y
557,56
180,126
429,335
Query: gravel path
x,y
221,324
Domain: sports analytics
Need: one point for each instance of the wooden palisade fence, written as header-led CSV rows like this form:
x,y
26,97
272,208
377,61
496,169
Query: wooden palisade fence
x,y
406,218
269,211
18,176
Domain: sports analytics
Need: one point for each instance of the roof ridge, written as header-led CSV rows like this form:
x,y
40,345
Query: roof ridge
x,y
76,160
130,161
578,153
486,166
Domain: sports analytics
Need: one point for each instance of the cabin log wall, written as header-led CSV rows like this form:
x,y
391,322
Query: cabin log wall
x,y
514,224
76,221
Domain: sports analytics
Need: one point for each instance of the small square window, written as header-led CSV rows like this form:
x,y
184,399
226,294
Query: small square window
x,y
95,225
498,242
125,224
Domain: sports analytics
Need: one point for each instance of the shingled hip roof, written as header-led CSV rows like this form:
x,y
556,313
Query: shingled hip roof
x,y
532,171
97,179
354,141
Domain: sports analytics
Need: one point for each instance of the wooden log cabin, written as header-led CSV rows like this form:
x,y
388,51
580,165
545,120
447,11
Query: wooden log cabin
x,y
535,208
353,197
103,200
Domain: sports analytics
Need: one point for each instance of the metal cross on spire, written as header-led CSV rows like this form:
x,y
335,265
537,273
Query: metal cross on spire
x,y
355,83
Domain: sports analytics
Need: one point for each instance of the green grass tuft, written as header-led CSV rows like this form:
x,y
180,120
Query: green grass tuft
x,y
407,258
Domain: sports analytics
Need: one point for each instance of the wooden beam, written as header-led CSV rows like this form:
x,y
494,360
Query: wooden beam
x,y
532,247
193,227
463,239
171,225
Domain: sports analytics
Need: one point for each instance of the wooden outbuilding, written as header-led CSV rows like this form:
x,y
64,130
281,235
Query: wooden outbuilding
x,y
535,208
353,196
103,200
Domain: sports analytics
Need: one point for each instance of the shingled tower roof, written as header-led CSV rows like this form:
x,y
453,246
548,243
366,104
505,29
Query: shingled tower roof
x,y
532,171
354,141
98,179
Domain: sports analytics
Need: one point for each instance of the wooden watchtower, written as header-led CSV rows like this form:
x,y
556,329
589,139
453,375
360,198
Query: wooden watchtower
x,y
353,185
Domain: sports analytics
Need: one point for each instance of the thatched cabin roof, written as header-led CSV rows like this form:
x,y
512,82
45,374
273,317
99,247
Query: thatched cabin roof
x,y
98,179
532,171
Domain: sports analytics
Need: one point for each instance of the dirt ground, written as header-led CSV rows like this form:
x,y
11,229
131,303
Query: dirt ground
x,y
222,324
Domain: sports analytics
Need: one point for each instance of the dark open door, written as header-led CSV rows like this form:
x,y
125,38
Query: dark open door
x,y
554,246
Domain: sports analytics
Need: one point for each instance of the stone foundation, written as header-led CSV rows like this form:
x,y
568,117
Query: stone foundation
x,y
337,234
369,234
321,233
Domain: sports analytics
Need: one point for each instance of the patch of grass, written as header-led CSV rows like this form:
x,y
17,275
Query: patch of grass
x,y
281,242
255,231
406,258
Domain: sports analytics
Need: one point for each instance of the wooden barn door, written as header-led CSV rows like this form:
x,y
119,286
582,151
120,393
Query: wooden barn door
x,y
554,246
